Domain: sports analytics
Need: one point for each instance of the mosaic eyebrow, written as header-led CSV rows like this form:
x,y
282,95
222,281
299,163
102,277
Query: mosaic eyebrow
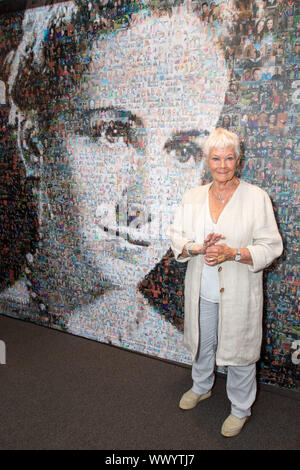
x,y
185,136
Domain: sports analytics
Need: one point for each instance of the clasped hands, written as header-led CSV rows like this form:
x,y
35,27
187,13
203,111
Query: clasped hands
x,y
214,254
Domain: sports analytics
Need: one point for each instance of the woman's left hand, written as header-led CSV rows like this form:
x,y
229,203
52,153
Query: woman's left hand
x,y
217,254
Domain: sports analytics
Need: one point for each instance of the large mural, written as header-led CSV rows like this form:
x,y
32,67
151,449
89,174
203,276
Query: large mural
x,y
104,106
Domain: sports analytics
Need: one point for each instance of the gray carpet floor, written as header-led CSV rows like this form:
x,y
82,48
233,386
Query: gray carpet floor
x,y
60,391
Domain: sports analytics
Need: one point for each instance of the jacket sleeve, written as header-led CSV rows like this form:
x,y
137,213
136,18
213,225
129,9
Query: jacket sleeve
x,y
179,231
267,243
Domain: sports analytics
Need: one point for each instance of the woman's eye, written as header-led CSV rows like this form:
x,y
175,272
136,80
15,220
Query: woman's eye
x,y
115,130
183,154
183,151
110,131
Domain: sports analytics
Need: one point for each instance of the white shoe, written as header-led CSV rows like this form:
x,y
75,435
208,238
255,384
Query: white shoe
x,y
190,399
232,425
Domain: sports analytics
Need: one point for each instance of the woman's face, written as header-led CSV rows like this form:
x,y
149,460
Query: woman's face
x,y
161,84
256,75
269,24
222,163
260,26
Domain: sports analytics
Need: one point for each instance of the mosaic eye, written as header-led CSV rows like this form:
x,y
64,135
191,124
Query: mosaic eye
x,y
183,146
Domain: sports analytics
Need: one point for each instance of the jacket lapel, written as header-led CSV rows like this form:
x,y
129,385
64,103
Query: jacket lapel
x,y
200,206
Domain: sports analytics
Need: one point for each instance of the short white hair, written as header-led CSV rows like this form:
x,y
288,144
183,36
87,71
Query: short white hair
x,y
221,138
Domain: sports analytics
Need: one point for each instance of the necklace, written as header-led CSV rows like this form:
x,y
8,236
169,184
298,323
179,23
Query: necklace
x,y
219,197
223,199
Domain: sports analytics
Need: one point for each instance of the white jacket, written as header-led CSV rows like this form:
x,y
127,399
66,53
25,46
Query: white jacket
x,y
247,221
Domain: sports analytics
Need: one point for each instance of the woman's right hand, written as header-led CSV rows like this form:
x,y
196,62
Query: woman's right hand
x,y
210,240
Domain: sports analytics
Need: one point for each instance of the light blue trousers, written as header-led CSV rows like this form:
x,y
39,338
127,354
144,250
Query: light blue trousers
x,y
241,380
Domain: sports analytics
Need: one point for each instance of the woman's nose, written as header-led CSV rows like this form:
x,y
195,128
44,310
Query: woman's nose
x,y
129,169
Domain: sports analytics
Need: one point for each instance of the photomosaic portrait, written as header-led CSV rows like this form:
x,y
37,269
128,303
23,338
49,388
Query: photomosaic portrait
x,y
104,108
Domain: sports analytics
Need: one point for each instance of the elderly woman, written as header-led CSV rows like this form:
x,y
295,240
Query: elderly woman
x,y
226,231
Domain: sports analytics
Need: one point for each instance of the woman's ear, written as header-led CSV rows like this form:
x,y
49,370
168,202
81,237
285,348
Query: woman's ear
x,y
29,145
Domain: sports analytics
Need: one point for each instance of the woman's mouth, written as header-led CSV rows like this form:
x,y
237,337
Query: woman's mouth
x,y
129,234
125,219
